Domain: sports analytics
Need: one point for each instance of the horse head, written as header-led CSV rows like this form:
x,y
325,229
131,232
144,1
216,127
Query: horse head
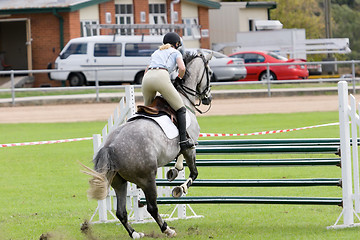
x,y
203,86
196,82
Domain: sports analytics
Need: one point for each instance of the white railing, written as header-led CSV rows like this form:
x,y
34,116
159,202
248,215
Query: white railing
x,y
13,90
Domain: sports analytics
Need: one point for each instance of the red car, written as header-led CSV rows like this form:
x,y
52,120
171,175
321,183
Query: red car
x,y
283,72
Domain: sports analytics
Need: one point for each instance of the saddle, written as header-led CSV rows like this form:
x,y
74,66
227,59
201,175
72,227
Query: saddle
x,y
158,107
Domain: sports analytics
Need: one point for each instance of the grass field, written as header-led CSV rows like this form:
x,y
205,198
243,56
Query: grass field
x,y
42,190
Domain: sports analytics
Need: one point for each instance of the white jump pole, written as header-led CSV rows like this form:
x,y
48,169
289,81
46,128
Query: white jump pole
x,y
345,154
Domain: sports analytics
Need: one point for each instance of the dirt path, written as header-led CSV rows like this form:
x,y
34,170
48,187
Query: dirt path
x,y
101,111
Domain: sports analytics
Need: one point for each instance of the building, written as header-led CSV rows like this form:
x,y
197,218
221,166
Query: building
x,y
237,17
33,32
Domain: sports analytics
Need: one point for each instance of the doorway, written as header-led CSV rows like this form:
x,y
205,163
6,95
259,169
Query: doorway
x,y
15,44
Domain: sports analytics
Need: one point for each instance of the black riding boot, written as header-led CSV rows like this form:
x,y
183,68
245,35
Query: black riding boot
x,y
181,119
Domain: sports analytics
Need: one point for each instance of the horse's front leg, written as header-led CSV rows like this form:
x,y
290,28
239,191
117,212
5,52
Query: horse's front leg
x,y
174,172
190,157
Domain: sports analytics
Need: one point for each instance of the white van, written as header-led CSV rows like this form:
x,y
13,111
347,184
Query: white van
x,y
117,59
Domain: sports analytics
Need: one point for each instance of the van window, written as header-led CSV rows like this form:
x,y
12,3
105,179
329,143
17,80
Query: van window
x,y
74,48
140,49
107,50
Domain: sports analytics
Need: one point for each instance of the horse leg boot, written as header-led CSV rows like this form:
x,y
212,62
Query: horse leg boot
x,y
190,157
185,143
174,172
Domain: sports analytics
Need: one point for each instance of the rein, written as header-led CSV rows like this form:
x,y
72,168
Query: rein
x,y
186,91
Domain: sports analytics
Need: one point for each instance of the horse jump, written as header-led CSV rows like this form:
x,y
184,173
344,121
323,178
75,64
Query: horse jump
x,y
350,201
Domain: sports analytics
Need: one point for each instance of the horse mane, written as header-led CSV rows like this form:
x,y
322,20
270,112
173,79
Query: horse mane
x,y
188,57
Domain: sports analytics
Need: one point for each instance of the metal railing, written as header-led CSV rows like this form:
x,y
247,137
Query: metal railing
x,y
353,79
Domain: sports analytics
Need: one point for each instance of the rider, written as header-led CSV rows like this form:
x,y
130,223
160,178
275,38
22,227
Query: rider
x,y
157,79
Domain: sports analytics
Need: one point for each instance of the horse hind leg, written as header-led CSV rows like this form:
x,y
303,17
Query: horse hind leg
x,y
120,187
151,195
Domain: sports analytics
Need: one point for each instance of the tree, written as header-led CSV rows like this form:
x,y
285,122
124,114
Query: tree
x,y
304,14
347,25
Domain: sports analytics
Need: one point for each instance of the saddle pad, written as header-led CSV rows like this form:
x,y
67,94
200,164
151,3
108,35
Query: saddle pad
x,y
165,124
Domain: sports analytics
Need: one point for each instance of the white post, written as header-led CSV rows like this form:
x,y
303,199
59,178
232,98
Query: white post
x,y
345,154
102,210
96,142
354,136
130,100
181,207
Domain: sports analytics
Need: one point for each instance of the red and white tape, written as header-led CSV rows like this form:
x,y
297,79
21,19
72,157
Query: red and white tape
x,y
201,135
44,142
262,133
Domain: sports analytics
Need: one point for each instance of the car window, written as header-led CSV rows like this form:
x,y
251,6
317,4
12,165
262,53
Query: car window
x,y
260,59
238,55
74,48
107,50
219,55
279,57
253,58
140,49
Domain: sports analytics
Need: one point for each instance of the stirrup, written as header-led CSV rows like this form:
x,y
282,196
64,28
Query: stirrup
x,y
184,145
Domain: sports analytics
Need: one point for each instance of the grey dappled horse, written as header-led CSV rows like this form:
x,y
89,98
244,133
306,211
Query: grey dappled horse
x,y
135,150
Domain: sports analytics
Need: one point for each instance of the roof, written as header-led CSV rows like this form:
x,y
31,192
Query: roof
x,y
120,38
206,3
41,6
269,5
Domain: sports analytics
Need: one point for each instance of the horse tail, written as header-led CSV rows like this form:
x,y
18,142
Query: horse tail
x,y
104,170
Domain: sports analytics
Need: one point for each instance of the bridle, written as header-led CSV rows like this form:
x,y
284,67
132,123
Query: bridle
x,y
203,96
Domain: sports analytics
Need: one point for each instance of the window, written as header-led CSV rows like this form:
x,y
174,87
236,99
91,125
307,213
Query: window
x,y
124,15
75,48
276,56
140,49
238,56
87,32
157,15
253,58
251,25
191,31
107,50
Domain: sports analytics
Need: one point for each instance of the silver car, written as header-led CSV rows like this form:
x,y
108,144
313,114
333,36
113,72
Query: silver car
x,y
224,68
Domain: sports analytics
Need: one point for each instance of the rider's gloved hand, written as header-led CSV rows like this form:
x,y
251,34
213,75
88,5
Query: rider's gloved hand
x,y
178,79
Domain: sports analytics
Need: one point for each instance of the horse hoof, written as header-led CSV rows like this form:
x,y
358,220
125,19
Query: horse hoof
x,y
136,235
169,232
172,174
177,192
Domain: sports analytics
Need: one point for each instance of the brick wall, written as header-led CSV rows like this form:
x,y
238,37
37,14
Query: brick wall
x,y
45,34
103,9
141,6
203,14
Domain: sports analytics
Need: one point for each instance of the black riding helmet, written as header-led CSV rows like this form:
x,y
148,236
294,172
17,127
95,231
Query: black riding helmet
x,y
172,38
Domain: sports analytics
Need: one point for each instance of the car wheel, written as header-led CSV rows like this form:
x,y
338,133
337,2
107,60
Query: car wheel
x,y
263,76
138,78
76,79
